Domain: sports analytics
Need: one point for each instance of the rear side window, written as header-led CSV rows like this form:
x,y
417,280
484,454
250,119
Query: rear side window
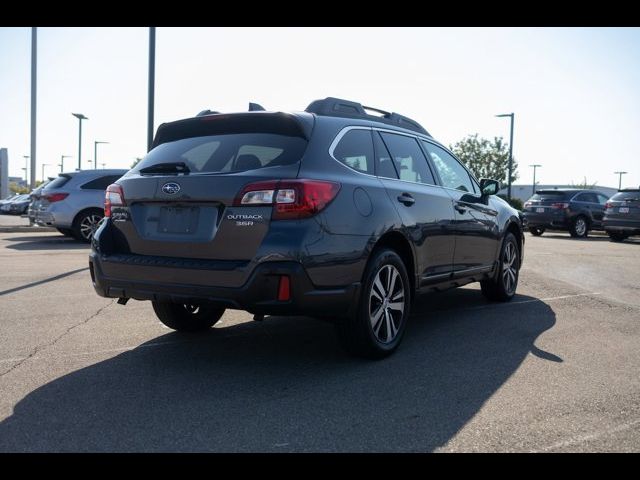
x,y
355,150
100,183
451,171
587,197
384,164
408,159
58,181
228,153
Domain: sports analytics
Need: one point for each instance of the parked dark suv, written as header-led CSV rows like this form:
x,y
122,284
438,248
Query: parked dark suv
x,y
622,214
331,212
569,209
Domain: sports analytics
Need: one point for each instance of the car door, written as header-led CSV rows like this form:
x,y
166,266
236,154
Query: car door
x,y
587,203
476,225
425,208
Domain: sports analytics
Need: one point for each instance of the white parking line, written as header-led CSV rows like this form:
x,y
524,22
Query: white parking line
x,y
591,436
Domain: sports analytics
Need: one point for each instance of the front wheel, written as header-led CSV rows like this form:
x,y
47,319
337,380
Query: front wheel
x,y
376,328
187,317
579,227
503,287
536,231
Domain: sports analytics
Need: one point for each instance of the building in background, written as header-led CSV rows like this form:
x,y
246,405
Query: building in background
x,y
523,192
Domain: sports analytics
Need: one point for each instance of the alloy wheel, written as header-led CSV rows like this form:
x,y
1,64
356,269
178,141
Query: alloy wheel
x,y
386,304
509,267
581,227
89,225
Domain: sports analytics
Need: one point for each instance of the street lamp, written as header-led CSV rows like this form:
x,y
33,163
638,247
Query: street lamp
x,y
510,152
620,178
80,117
89,161
44,165
95,153
62,157
533,189
103,165
26,164
26,182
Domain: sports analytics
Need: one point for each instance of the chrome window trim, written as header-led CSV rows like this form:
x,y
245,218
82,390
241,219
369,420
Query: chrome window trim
x,y
345,130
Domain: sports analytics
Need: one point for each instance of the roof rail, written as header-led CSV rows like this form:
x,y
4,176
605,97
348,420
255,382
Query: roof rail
x,y
337,107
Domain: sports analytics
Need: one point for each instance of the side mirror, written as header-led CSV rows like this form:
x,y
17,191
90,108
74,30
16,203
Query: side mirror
x,y
489,187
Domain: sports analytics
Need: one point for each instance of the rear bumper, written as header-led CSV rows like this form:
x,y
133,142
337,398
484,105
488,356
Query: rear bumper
x,y
548,220
153,278
631,227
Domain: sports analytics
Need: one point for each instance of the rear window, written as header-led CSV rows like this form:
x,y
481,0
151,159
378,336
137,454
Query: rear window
x,y
548,196
627,196
100,183
58,182
228,153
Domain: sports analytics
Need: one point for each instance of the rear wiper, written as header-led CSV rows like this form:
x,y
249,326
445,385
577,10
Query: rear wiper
x,y
168,167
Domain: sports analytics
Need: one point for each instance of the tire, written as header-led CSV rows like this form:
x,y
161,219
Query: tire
x,y
617,237
86,223
579,227
67,232
187,317
536,231
503,287
375,329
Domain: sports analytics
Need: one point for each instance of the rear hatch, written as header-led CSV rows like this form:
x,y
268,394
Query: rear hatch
x,y
179,200
624,206
545,203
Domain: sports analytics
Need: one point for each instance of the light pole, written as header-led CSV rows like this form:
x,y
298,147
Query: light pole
x,y
80,117
152,77
533,189
510,153
26,164
62,157
44,165
89,161
620,178
103,165
95,153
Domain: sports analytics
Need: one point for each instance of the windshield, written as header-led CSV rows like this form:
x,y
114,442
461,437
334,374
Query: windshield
x,y
227,153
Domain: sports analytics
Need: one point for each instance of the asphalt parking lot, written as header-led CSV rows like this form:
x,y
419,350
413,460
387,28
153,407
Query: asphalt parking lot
x,y
554,370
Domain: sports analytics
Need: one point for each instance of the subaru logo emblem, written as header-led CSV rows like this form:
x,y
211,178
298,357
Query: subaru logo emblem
x,y
171,188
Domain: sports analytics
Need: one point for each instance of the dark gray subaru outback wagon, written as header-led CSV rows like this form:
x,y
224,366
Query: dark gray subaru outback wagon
x,y
332,212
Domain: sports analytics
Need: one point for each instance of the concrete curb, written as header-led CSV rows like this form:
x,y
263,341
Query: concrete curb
x,y
25,229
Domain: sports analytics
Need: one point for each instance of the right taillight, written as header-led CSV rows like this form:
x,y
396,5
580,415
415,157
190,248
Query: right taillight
x,y
113,197
55,197
291,199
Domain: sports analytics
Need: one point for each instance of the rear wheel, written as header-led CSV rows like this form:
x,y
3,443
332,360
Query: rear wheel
x,y
536,231
187,317
67,232
617,236
579,227
86,223
503,287
376,328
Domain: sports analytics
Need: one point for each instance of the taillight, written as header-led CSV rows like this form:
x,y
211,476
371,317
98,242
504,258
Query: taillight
x,y
55,197
560,205
527,204
291,199
608,205
113,197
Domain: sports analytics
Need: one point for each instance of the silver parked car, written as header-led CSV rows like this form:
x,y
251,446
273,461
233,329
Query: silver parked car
x,y
74,202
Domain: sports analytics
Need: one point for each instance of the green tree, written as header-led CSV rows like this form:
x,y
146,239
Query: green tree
x,y
15,188
485,158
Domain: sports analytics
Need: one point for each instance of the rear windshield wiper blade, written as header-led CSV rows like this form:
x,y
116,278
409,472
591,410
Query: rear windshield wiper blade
x,y
168,167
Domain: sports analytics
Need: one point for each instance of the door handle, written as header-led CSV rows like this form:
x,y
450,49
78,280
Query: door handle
x,y
460,208
407,199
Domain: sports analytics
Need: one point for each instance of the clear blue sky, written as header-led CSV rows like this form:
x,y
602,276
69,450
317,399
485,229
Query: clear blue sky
x,y
575,91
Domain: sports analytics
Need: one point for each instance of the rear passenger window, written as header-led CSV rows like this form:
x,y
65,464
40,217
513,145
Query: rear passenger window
x,y
408,158
355,150
100,183
451,171
587,197
384,164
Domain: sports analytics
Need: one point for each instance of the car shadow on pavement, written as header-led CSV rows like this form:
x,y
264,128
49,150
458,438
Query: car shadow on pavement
x,y
48,242
285,385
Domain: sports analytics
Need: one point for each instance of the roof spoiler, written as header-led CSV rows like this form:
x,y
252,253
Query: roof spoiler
x,y
253,107
337,107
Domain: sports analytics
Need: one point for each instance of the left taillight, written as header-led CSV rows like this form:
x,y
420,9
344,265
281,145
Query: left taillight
x,y
55,197
113,197
291,199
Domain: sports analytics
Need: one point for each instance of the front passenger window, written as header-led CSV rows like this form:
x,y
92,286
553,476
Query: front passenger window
x,y
452,173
